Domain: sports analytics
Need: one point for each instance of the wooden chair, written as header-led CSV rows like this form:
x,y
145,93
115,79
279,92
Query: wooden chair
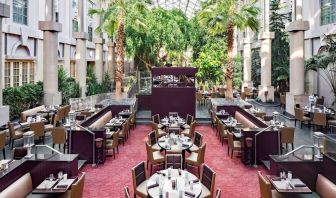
x,y
19,153
208,182
197,142
123,133
196,159
76,188
139,177
173,160
153,157
156,119
190,132
233,144
3,144
159,132
189,120
266,188
13,134
299,116
320,100
39,130
59,137
173,114
114,144
133,120
283,101
127,193
200,98
213,118
319,120
153,141
248,92
218,193
260,114
223,133
287,137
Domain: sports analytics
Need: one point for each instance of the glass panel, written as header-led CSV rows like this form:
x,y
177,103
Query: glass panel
x,y
20,10
7,75
16,74
24,73
32,73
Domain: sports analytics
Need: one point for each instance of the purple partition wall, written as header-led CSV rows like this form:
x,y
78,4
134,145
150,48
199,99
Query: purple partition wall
x,y
173,99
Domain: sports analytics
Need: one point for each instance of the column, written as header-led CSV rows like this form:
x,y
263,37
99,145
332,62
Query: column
x,y
4,110
296,28
111,59
81,38
247,60
50,60
266,90
99,42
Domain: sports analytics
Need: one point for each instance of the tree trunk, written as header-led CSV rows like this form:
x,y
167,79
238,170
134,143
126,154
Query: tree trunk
x,y
229,67
120,53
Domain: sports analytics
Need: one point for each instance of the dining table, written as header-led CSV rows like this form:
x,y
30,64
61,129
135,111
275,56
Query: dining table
x,y
126,113
173,124
286,186
174,182
115,123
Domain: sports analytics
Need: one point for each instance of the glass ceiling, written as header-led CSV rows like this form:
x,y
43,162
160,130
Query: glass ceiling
x,y
189,7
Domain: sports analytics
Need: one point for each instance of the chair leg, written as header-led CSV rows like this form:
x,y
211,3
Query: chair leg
x,y
12,143
59,147
198,167
118,149
150,173
113,153
231,153
292,146
294,122
9,143
301,124
286,147
53,145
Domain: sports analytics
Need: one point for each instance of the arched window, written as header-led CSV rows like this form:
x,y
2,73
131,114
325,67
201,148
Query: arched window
x,y
20,11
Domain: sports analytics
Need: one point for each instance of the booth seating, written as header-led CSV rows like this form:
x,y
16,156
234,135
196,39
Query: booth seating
x,y
324,187
30,112
101,122
244,121
20,188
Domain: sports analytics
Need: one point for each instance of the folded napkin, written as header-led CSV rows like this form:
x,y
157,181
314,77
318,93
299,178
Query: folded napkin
x,y
299,185
185,145
190,194
161,140
276,179
61,186
153,186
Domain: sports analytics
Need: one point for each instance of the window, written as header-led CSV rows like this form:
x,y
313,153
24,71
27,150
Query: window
x,y
20,11
73,69
90,33
74,25
19,73
328,11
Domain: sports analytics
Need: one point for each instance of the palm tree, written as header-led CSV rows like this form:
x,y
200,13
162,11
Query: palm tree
x,y
114,17
222,17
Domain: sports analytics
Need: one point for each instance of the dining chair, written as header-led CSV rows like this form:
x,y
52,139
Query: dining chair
x,y
218,193
159,132
173,160
196,159
13,134
260,114
139,178
283,100
3,144
128,127
213,118
266,188
190,132
233,145
207,182
19,153
123,133
59,137
197,142
200,98
243,96
85,113
189,120
156,119
248,92
114,143
153,141
76,188
133,120
223,133
299,116
287,137
153,157
127,193
39,131
319,120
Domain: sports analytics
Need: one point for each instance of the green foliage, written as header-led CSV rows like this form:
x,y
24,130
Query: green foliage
x,y
22,98
238,74
67,86
280,46
93,87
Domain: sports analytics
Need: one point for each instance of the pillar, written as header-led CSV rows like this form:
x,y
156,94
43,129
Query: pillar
x,y
99,42
247,60
4,110
111,59
81,38
296,28
266,90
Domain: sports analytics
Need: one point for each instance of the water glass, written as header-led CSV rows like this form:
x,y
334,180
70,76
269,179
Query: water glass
x,y
289,175
60,175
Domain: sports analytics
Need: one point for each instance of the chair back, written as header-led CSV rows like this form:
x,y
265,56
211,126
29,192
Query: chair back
x,y
221,128
58,135
320,100
298,113
319,119
77,188
218,193
189,119
243,95
260,114
149,152
198,139
201,154
115,137
199,96
38,128
156,118
138,174
192,129
155,128
66,111
265,186
173,160
208,178
2,140
127,193
282,99
124,129
287,134
11,130
230,140
19,153
152,138
213,116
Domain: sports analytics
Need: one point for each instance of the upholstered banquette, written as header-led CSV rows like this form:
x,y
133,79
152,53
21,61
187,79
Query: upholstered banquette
x,y
30,112
20,188
101,122
244,121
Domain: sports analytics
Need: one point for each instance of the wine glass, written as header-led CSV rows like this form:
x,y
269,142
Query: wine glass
x,y
289,175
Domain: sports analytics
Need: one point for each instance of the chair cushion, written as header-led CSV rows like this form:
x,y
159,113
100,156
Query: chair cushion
x,y
156,147
192,159
194,148
324,187
20,188
157,156
205,192
141,190
236,144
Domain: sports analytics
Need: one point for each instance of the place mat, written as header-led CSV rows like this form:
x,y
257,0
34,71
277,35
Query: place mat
x,y
64,183
42,186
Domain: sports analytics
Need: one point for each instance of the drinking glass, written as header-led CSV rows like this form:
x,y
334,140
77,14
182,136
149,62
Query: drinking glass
x,y
289,175
60,175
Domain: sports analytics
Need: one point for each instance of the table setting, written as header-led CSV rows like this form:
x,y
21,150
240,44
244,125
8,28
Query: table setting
x,y
54,185
175,142
285,183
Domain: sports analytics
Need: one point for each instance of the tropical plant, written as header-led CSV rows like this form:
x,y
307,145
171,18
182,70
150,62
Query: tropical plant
x,y
222,17
114,18
325,61
67,86
280,46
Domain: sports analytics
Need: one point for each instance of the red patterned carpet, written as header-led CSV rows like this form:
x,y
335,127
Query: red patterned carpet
x,y
108,180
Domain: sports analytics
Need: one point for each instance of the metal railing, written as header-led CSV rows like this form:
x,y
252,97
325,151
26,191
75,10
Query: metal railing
x,y
47,146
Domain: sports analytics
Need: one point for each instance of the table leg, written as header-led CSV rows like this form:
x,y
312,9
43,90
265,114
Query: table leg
x,y
183,159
